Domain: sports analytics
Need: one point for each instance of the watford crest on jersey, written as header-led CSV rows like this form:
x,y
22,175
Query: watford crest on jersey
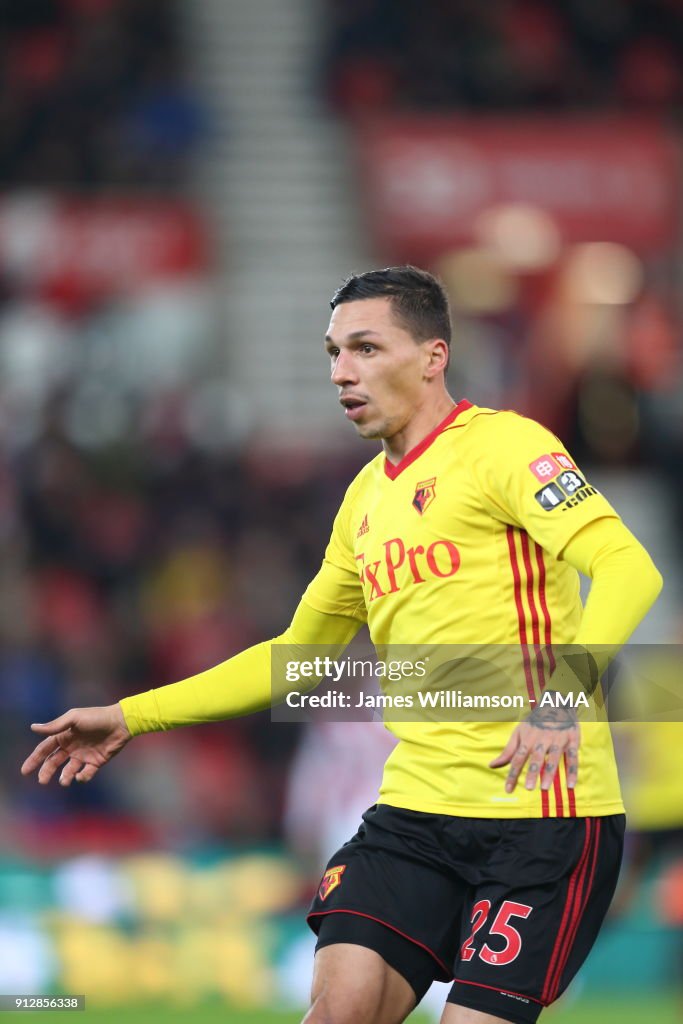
x,y
331,879
425,492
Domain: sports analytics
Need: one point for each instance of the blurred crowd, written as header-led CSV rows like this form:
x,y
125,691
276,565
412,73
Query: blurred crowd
x,y
92,93
147,532
505,55
138,565
143,539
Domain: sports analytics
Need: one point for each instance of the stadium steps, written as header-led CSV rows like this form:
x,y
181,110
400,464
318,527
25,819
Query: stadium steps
x,y
276,180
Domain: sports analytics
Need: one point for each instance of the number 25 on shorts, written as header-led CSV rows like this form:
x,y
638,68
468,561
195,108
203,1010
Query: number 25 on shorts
x,y
500,926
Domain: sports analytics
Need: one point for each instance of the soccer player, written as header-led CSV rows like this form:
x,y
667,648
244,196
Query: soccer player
x,y
489,858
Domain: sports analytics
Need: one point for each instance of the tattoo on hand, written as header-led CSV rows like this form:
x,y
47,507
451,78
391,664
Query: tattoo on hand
x,y
550,717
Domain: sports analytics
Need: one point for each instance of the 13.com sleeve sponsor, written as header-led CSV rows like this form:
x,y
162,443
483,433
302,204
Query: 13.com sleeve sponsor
x,y
529,480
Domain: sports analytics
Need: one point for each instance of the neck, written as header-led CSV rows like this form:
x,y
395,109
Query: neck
x,y
424,420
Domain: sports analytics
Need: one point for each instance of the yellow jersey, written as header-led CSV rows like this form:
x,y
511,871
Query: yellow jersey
x,y
461,543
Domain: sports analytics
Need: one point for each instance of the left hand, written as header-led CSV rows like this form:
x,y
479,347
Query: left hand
x,y
542,744
79,742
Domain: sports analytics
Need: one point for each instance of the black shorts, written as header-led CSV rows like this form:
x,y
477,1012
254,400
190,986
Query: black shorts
x,y
506,908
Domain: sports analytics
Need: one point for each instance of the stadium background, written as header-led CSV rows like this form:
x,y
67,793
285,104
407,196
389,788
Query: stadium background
x,y
183,186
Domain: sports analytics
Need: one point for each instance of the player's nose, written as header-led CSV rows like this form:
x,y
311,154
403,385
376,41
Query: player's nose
x,y
343,371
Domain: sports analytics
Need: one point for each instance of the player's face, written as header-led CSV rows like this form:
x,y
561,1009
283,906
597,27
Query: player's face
x,y
377,366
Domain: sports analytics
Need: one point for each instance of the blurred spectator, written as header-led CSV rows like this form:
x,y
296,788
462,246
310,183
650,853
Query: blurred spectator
x,y
92,94
504,55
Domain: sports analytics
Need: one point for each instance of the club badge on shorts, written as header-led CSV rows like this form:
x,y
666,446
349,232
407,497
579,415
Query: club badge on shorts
x,y
331,879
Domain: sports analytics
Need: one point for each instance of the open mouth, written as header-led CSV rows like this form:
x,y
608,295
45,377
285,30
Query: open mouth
x,y
353,407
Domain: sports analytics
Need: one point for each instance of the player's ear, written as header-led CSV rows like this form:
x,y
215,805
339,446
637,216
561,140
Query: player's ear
x,y
436,361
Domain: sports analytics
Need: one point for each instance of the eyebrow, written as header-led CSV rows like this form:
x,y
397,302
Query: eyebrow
x,y
355,335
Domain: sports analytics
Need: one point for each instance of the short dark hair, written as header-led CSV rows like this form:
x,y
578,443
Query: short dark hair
x,y
418,299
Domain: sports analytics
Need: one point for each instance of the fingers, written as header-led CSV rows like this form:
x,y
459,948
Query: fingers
x,y
56,725
87,772
75,769
571,763
566,747
507,752
552,761
72,770
516,765
41,752
51,764
542,750
70,739
536,763
47,748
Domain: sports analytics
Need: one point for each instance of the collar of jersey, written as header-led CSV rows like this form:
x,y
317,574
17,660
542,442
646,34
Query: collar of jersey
x,y
392,471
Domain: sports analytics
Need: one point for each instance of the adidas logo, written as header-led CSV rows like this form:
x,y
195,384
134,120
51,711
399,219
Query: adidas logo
x,y
363,528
